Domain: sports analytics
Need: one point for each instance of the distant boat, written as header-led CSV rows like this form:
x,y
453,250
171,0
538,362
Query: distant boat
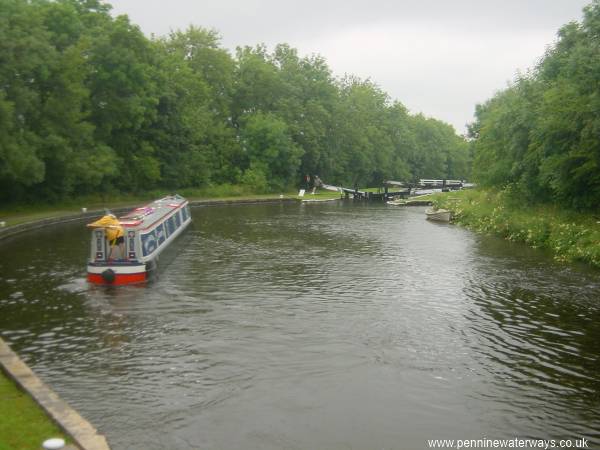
x,y
145,233
398,202
439,215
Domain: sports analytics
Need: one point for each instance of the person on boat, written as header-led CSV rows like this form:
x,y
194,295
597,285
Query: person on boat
x,y
115,235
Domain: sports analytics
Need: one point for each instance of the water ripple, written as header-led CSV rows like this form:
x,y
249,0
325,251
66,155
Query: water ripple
x,y
321,326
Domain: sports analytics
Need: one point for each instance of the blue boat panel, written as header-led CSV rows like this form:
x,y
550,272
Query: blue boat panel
x,y
149,242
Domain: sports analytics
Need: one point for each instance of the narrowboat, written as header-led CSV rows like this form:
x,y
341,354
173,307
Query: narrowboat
x,y
125,250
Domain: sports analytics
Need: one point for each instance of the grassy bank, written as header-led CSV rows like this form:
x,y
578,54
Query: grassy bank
x,y
16,214
23,424
570,236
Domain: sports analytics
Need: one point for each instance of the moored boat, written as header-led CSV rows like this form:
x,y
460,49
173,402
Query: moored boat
x,y
398,202
125,250
440,215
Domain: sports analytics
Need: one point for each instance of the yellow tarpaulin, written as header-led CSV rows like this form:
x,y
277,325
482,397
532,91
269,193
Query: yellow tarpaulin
x,y
112,226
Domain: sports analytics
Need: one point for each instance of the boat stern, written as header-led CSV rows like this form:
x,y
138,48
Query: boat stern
x,y
116,274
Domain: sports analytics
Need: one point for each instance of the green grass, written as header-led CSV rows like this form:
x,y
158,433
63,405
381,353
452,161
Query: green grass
x,y
422,198
321,194
569,235
23,424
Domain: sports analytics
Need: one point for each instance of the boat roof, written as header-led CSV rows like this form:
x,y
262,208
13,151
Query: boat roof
x,y
146,215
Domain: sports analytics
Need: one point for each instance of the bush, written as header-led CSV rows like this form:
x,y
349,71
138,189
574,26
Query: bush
x,y
569,235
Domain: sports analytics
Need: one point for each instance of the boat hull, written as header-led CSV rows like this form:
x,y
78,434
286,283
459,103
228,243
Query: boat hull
x,y
117,275
440,215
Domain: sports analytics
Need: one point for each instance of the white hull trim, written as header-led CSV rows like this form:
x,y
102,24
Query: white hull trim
x,y
117,269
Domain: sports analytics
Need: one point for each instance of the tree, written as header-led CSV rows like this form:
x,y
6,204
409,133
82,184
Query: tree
x,y
270,151
88,104
540,134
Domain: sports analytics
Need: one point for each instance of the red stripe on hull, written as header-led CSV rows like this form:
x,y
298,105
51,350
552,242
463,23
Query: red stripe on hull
x,y
120,278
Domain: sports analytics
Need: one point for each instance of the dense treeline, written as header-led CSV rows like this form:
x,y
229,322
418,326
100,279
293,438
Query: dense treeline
x,y
89,104
540,138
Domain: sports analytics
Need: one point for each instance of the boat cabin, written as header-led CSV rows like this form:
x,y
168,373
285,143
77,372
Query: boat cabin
x,y
146,231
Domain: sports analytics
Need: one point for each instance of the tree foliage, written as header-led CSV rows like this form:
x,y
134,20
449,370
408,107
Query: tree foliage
x,y
88,104
541,134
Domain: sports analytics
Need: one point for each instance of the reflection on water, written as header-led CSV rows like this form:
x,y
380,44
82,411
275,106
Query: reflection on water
x,y
313,326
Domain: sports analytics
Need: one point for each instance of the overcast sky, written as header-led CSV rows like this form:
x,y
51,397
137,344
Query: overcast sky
x,y
437,57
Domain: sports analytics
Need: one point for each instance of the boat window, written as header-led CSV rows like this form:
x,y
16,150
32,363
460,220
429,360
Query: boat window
x,y
177,219
149,242
160,234
100,244
131,244
170,226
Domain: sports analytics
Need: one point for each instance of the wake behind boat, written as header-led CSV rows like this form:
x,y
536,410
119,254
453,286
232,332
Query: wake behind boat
x,y
125,250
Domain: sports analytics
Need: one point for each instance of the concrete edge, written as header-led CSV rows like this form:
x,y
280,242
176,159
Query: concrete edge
x,y
37,224
85,436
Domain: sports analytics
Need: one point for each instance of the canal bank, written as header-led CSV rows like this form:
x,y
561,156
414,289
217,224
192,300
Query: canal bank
x,y
23,424
36,427
569,236
62,217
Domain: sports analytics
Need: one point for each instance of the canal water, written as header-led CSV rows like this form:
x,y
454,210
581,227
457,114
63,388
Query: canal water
x,y
312,326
